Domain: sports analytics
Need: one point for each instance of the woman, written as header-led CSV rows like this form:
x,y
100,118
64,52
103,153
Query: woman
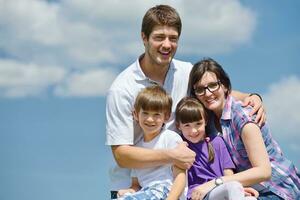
x,y
257,156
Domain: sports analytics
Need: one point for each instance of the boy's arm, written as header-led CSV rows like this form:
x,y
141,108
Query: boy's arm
x,y
178,183
255,101
135,186
136,157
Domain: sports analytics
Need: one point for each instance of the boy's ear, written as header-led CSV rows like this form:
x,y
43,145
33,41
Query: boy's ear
x,y
135,115
167,117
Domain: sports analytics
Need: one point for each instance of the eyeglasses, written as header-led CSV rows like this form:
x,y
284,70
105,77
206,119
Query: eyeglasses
x,y
213,86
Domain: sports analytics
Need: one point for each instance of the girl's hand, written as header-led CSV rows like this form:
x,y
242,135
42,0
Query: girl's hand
x,y
249,191
200,191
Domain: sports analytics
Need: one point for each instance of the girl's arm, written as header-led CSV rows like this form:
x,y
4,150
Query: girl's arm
x,y
178,183
135,186
228,172
261,167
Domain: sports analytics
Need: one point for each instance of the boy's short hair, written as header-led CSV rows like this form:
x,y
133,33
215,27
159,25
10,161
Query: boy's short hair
x,y
161,15
153,98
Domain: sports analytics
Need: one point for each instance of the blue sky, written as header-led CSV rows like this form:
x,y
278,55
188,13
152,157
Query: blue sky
x,y
57,59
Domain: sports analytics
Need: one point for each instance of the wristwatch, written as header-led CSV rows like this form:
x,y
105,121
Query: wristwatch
x,y
218,181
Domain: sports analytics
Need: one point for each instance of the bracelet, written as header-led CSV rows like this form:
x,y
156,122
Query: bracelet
x,y
256,95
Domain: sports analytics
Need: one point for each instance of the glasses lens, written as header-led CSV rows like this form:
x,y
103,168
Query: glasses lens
x,y
199,90
213,86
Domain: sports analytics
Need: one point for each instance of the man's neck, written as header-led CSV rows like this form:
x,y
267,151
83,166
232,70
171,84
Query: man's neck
x,y
154,71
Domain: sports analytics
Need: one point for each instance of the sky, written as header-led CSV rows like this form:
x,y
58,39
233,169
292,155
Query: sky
x,y
59,57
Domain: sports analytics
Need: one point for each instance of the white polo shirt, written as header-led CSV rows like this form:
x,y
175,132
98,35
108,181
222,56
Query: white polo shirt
x,y
121,129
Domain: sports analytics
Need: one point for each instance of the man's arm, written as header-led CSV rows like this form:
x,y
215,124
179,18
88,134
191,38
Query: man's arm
x,y
253,100
136,157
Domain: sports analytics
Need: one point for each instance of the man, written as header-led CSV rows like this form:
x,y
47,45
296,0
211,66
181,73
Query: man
x,y
161,28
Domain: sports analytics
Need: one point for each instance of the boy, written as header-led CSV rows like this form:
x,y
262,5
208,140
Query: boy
x,y
152,110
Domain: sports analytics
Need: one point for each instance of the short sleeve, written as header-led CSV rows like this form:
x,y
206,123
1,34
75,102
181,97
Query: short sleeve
x,y
241,117
172,139
119,119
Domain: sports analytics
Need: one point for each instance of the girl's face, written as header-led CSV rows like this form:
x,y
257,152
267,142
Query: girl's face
x,y
193,131
212,100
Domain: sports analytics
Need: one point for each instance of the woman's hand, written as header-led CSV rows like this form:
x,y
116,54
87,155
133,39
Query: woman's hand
x,y
258,108
249,191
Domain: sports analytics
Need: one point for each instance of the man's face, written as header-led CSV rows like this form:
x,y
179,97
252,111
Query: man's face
x,y
161,45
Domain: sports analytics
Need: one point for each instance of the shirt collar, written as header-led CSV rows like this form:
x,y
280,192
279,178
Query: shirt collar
x,y
139,74
226,114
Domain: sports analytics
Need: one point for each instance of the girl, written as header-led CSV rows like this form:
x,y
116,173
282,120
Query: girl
x,y
212,158
256,154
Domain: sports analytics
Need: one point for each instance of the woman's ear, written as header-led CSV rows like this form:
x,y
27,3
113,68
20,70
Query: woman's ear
x,y
225,89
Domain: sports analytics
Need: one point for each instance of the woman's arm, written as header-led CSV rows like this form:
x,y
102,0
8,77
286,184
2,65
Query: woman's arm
x,y
178,183
258,157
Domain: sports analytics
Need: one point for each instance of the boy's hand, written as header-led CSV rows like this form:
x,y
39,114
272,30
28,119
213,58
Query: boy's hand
x,y
249,191
124,191
258,108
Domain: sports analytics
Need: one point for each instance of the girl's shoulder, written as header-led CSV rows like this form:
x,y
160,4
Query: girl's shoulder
x,y
216,139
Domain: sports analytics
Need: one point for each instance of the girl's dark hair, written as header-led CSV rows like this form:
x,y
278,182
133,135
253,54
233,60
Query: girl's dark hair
x,y
208,65
190,110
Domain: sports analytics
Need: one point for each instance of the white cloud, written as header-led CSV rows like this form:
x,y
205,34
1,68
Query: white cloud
x,y
90,83
81,35
19,79
211,27
282,103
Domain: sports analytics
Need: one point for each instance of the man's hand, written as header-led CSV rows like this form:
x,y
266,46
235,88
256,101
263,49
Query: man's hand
x,y
258,108
183,157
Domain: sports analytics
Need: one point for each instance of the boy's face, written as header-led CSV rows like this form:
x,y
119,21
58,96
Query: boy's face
x,y
193,131
161,45
150,121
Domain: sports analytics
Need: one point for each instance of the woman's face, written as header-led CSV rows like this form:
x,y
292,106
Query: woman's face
x,y
214,93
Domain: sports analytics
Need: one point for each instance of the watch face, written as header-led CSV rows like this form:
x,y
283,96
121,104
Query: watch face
x,y
219,181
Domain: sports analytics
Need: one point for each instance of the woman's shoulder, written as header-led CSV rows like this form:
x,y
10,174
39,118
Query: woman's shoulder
x,y
240,112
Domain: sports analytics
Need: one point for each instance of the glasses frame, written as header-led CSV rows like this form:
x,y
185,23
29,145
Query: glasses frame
x,y
207,88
